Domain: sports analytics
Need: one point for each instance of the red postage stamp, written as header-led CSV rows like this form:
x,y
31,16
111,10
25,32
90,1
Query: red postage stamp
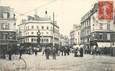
x,y
105,10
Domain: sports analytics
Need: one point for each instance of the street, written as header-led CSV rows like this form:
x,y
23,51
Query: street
x,y
62,63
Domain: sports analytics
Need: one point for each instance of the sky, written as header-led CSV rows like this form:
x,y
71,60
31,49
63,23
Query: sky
x,y
67,12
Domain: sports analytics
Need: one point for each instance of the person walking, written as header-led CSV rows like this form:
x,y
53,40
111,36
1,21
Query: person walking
x,y
54,53
47,52
81,52
20,51
76,52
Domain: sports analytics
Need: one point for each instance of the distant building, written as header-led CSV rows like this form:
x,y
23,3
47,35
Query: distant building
x,y
7,27
95,31
75,36
29,28
64,40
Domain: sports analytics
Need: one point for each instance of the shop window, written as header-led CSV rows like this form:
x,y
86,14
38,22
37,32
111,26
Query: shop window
x,y
101,37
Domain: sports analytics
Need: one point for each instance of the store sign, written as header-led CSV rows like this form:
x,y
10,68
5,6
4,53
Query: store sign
x,y
105,10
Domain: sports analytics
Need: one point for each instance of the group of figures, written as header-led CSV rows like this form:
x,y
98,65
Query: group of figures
x,y
47,51
50,51
98,51
53,51
78,52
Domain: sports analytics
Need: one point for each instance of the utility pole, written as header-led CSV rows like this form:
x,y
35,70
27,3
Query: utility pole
x,y
53,28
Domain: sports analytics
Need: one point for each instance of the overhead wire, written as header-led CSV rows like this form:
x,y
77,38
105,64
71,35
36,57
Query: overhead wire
x,y
25,13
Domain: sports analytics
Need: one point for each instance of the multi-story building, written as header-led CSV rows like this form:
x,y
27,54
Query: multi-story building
x,y
48,28
7,27
75,36
64,41
95,31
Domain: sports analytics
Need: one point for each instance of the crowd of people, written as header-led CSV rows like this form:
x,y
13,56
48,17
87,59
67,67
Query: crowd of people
x,y
53,51
98,51
63,51
48,51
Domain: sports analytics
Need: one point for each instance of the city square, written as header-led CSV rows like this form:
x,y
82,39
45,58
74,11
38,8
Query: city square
x,y
57,35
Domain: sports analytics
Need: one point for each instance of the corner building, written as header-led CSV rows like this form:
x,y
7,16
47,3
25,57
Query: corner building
x,y
28,30
7,28
96,31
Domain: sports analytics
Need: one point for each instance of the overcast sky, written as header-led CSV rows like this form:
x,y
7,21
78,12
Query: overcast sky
x,y
67,12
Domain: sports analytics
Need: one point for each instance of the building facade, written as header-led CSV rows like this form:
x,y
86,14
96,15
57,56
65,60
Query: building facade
x,y
28,31
75,36
64,41
7,27
95,31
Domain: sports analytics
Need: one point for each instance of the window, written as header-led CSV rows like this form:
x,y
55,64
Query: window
x,y
46,40
28,33
8,15
5,15
108,36
35,39
100,36
14,24
41,40
101,26
47,28
3,26
32,40
32,32
27,40
1,15
32,27
28,27
108,26
93,25
37,27
7,26
42,27
42,33
47,33
14,16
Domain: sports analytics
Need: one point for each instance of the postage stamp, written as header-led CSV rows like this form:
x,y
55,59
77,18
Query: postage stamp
x,y
105,10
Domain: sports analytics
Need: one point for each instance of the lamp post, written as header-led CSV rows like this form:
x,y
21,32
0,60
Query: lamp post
x,y
53,29
10,48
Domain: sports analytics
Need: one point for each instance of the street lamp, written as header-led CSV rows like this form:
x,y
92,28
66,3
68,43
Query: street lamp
x,y
10,49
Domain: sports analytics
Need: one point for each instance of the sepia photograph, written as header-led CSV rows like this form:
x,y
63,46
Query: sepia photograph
x,y
57,35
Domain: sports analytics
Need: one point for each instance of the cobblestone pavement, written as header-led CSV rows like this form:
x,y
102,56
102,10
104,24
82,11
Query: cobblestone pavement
x,y
62,63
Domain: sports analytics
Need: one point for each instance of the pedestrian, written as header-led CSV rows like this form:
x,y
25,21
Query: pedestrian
x,y
65,51
47,52
68,50
81,52
20,52
62,50
76,52
53,53
36,52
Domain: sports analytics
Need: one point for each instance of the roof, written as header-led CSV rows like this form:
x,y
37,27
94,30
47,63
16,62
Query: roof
x,y
4,8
